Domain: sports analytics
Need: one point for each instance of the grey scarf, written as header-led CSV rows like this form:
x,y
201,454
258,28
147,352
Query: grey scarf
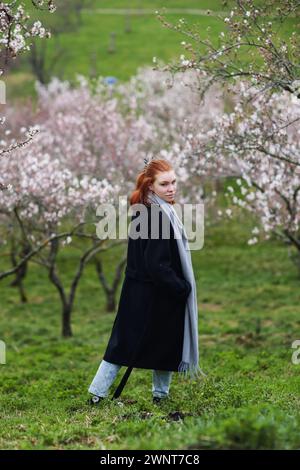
x,y
189,365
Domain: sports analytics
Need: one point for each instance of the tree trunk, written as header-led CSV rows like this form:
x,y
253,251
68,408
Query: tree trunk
x,y
294,256
21,272
23,296
110,301
110,291
66,321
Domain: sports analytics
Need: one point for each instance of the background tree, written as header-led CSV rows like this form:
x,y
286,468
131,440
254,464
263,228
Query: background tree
x,y
16,30
87,135
257,147
48,205
252,46
68,19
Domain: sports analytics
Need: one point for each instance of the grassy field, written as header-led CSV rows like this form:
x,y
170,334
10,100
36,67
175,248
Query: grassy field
x,y
86,50
199,4
248,301
248,318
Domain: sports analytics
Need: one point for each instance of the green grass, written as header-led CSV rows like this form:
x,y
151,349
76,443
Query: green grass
x,y
248,318
85,51
147,39
152,4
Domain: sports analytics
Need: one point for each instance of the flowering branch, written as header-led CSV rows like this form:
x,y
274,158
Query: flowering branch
x,y
250,46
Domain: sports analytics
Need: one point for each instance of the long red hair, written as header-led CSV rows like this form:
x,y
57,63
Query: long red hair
x,y
147,177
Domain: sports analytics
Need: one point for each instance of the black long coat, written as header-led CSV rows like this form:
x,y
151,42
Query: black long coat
x,y
148,329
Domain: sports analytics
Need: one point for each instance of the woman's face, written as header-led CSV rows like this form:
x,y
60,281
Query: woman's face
x,y
165,185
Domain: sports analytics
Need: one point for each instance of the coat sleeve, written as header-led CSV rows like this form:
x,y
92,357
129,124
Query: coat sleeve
x,y
157,257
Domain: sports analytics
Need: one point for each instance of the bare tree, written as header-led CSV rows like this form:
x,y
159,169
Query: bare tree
x,y
42,60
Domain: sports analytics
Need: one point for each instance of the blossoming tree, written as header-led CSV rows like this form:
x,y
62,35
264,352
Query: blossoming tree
x,y
16,30
48,205
258,145
88,136
251,46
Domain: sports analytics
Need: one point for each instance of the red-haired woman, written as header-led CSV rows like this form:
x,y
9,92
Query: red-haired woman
x,y
156,326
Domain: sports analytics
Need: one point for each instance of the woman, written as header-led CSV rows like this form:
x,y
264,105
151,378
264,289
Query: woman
x,y
156,326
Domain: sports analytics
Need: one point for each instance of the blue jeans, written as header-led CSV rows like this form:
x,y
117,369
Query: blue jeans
x,y
107,373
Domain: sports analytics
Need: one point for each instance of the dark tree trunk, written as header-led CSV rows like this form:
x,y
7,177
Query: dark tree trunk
x,y
111,302
66,321
110,291
21,272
